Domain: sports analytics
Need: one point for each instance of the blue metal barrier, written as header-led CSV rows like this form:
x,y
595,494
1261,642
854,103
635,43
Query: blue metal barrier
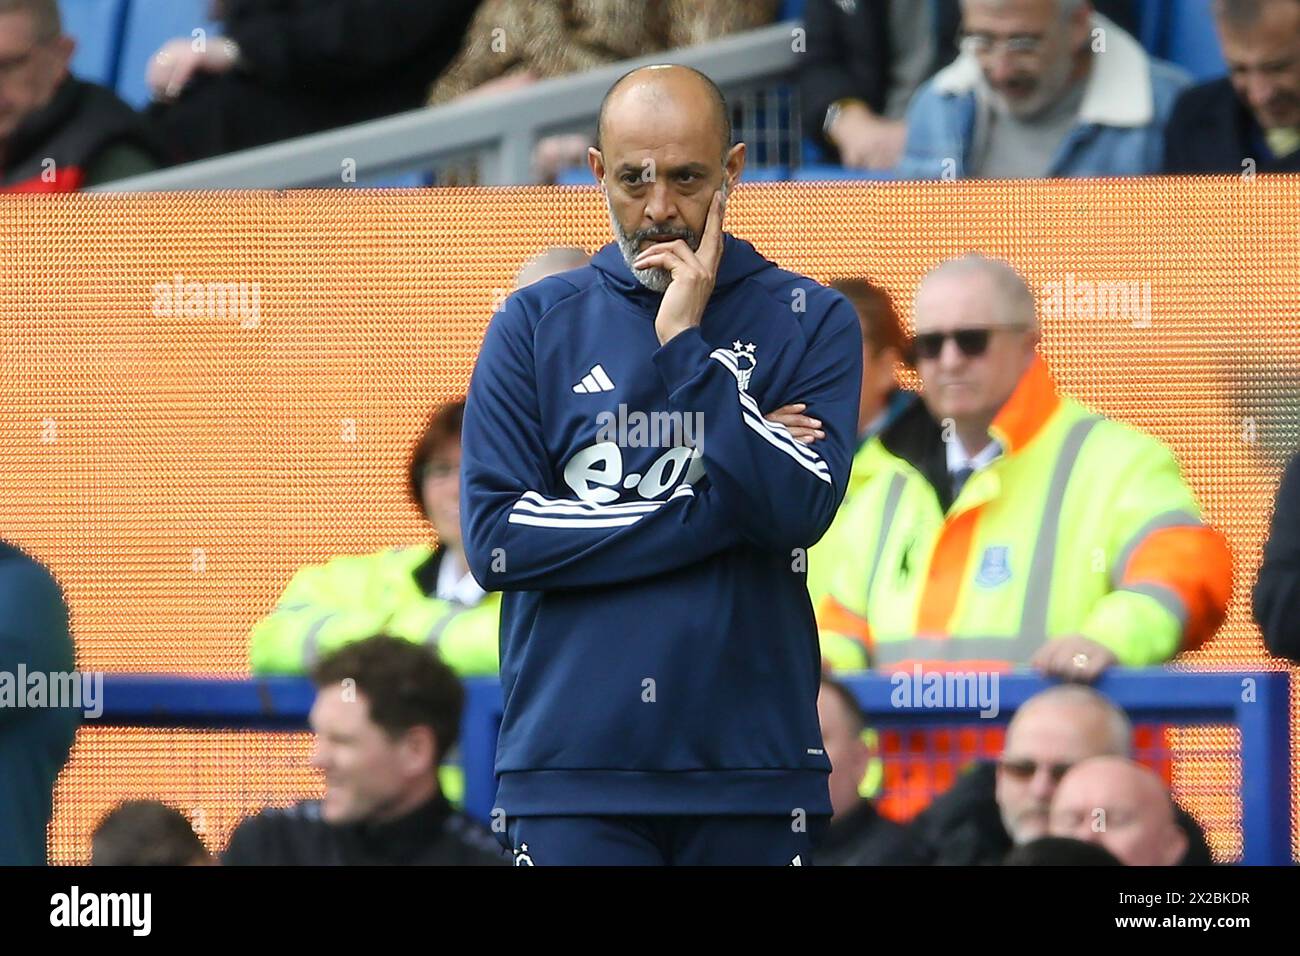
x,y
1257,703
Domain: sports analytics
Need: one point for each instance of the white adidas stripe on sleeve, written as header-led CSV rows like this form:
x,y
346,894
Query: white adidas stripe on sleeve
x,y
778,435
541,512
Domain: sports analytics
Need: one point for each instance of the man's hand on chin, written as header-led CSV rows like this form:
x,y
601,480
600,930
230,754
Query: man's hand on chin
x,y
694,273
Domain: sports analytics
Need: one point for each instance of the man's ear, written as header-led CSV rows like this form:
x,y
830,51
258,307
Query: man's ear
x,y
734,164
62,47
596,162
420,749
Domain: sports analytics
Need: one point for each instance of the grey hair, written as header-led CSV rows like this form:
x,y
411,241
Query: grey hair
x,y
1119,729
1009,285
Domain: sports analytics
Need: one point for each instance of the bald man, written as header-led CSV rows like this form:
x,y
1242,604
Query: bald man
x,y
1005,523
550,261
1122,806
660,663
997,806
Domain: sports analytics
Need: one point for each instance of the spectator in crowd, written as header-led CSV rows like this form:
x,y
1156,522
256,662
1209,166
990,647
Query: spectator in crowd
x,y
862,64
286,68
1060,851
1277,589
858,835
147,833
550,261
385,715
1012,525
1254,112
59,133
884,348
34,741
1041,88
995,806
866,58
512,44
1122,806
425,595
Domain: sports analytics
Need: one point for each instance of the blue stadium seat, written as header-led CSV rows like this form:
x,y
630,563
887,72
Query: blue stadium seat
x,y
150,24
575,176
96,25
820,173
1190,39
791,10
764,174
415,179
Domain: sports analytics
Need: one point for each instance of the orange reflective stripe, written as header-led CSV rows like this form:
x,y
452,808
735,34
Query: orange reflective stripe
x,y
947,573
834,616
1034,401
1196,564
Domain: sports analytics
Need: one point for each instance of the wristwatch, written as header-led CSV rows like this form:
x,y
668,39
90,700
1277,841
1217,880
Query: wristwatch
x,y
833,111
231,49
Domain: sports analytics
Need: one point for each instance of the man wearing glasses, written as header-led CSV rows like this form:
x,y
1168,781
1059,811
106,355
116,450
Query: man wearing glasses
x,y
1006,523
1041,88
994,806
57,133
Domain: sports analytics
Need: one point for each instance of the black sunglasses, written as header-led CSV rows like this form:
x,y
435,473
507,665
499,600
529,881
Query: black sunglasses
x,y
972,343
1025,769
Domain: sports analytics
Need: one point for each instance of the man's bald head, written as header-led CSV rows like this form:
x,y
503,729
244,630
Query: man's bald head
x,y
664,152
1051,732
1099,727
550,261
1010,300
650,87
1124,807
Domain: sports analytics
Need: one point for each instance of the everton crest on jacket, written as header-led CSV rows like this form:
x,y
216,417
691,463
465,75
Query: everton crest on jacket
x,y
658,648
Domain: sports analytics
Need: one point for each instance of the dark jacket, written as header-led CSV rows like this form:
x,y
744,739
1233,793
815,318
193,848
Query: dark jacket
x,y
34,743
1277,589
84,129
312,65
865,838
849,55
433,835
639,566
963,826
916,438
1212,131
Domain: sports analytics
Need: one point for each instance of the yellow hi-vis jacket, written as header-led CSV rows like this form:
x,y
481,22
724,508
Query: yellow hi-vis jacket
x,y
353,597
1082,526
842,653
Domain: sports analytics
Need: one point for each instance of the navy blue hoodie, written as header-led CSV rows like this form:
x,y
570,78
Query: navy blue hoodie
x,y
658,648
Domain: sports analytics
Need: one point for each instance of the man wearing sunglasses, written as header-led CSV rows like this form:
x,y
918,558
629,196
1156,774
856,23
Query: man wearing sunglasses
x,y
1008,525
1041,88
995,806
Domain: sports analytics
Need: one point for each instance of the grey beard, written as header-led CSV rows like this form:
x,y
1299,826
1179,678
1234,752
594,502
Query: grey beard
x,y
655,279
